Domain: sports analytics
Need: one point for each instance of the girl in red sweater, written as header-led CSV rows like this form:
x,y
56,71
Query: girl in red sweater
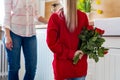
x,y
63,29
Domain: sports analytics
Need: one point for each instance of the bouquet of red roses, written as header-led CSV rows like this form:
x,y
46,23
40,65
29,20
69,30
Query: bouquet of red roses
x,y
91,41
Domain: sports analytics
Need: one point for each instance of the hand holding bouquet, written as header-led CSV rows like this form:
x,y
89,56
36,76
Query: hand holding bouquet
x,y
78,55
91,41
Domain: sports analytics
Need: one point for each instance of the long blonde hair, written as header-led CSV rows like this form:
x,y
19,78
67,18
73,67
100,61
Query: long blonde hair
x,y
70,13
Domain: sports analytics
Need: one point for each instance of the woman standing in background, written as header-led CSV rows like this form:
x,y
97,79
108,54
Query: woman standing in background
x,y
19,28
63,29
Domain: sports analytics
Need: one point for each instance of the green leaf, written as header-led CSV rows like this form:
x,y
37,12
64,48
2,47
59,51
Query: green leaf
x,y
82,37
90,55
101,52
94,38
101,40
88,6
95,57
90,46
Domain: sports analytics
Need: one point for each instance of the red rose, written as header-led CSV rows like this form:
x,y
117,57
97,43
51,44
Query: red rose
x,y
99,31
88,36
90,27
105,52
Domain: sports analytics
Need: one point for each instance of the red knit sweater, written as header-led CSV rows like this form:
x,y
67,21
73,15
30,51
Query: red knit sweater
x,y
64,44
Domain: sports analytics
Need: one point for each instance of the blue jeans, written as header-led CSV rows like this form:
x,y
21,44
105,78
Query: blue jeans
x,y
81,78
29,45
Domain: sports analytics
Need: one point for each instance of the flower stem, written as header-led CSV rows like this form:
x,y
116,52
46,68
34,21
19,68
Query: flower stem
x,y
76,59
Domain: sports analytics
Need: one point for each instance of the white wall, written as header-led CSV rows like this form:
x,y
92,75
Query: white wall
x,y
42,7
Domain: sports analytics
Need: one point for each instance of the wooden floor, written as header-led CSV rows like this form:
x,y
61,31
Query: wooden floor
x,y
3,78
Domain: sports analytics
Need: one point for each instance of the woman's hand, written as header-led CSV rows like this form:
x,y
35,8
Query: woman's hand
x,y
43,20
8,42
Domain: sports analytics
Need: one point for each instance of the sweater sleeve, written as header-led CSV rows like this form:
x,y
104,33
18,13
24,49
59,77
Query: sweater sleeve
x,y
54,42
7,12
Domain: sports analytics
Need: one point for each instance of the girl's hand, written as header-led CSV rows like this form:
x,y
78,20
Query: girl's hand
x,y
80,53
